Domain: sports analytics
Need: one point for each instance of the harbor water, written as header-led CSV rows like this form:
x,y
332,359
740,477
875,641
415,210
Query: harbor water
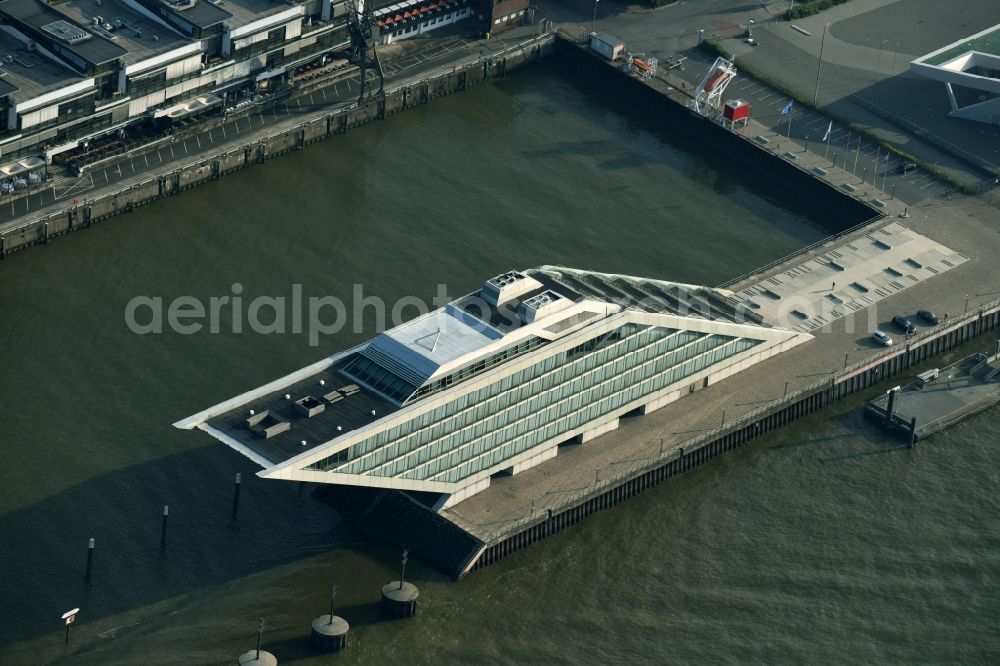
x,y
825,542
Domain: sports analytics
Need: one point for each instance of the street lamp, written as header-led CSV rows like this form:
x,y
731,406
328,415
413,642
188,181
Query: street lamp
x,y
593,26
820,67
701,34
880,47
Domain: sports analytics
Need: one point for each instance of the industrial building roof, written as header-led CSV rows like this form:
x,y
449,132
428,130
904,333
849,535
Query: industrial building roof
x,y
140,36
44,20
28,74
198,13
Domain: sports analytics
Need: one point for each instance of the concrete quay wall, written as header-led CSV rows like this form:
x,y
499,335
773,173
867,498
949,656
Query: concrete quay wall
x,y
666,103
784,411
83,213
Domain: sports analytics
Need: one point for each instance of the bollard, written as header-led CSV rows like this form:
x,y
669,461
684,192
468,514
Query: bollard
x,y
163,529
90,557
889,408
236,494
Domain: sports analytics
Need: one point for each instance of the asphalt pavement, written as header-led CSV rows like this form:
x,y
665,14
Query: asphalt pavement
x,y
845,149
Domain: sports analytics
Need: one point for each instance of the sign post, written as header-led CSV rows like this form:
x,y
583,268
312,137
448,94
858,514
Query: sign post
x,y
69,618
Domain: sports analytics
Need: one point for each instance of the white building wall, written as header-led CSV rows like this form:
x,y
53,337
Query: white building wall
x,y
413,30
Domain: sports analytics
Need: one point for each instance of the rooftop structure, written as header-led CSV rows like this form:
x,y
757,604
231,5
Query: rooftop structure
x,y
494,381
28,73
81,49
972,63
139,35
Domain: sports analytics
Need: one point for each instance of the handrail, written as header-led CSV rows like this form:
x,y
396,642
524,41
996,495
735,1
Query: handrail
x,y
743,421
800,251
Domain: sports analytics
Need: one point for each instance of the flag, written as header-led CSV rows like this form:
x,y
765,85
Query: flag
x,y
788,109
829,128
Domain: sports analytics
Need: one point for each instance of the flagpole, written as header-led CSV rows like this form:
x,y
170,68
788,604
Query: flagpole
x,y
789,135
826,155
857,154
878,149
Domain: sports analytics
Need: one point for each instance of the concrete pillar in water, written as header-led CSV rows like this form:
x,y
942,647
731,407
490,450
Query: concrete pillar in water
x,y
329,632
913,432
399,598
258,657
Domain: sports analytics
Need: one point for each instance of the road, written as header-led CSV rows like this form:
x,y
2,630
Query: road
x,y
858,61
403,63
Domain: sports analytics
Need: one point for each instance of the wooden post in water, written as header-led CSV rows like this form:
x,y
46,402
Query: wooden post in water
x,y
163,528
236,494
913,432
90,557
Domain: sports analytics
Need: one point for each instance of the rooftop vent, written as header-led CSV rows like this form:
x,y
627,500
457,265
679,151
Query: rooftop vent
x,y
507,286
66,32
542,305
267,425
309,406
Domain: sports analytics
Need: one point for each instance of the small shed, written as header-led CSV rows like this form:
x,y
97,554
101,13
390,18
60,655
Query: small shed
x,y
607,45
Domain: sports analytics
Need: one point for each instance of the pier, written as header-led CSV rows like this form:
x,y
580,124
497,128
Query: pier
x,y
939,398
646,450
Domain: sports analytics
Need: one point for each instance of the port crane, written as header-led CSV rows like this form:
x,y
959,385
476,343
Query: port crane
x,y
364,32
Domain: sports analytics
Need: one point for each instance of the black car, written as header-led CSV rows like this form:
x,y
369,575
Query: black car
x,y
906,167
904,324
928,317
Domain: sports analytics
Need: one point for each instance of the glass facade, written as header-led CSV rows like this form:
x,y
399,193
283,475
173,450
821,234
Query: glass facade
x,y
372,374
484,428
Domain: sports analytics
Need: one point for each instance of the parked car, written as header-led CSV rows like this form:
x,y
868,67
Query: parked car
x,y
928,317
904,324
882,338
906,167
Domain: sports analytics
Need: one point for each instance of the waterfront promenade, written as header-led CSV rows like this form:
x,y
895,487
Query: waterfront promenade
x,y
406,63
855,81
962,223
